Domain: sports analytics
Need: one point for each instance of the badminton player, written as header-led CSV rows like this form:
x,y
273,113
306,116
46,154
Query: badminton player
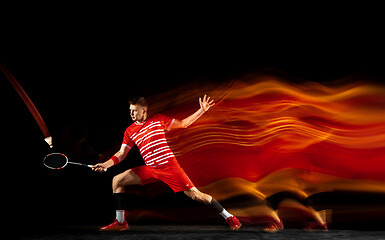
x,y
148,134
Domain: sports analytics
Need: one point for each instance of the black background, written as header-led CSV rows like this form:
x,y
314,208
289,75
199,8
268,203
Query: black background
x,y
80,67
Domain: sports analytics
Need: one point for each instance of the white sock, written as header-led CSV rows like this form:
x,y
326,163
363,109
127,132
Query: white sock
x,y
120,216
225,214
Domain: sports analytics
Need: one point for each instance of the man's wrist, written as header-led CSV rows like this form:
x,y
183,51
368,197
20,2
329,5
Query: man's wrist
x,y
109,163
115,159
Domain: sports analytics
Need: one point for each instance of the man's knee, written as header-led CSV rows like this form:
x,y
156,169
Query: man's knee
x,y
124,179
117,182
196,195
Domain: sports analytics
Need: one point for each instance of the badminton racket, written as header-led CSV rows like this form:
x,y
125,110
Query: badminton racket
x,y
59,160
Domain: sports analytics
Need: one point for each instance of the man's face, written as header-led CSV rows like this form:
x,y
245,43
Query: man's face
x,y
137,113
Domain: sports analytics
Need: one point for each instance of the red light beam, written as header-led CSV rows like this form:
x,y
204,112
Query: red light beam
x,y
28,102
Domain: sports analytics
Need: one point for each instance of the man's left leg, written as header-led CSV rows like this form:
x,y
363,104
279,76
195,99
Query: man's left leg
x,y
206,199
178,180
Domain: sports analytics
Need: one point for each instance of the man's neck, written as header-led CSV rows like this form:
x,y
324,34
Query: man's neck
x,y
143,121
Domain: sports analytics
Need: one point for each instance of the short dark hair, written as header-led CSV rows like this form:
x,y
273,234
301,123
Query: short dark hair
x,y
141,101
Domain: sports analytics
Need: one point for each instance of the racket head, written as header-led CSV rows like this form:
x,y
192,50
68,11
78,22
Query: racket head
x,y
55,161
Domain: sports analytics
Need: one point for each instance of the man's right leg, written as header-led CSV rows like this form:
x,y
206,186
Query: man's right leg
x,y
126,178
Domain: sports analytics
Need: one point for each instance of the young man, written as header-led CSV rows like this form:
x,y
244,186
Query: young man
x,y
148,133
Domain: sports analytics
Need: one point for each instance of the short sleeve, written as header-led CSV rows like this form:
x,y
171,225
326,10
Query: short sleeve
x,y
166,121
127,141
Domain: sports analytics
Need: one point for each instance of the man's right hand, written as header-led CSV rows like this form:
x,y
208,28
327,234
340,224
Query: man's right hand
x,y
101,167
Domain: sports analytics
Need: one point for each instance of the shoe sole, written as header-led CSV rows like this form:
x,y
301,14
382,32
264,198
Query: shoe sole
x,y
236,228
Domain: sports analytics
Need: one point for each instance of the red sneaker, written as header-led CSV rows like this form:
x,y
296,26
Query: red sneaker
x,y
233,223
316,226
273,226
115,226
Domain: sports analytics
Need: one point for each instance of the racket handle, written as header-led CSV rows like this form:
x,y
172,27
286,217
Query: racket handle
x,y
85,165
90,166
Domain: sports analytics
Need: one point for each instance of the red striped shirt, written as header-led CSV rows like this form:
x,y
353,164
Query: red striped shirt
x,y
150,138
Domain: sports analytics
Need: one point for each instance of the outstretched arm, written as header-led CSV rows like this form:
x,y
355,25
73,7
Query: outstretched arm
x,y
205,106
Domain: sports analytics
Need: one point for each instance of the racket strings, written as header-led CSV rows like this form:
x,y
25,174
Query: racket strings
x,y
56,161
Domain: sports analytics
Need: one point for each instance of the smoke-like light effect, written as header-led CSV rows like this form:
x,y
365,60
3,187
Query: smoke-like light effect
x,y
269,136
258,129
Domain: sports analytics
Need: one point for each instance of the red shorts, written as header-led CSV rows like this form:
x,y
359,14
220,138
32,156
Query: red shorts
x,y
174,176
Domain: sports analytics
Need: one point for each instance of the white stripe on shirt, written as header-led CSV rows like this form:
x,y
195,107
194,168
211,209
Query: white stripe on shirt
x,y
143,130
149,155
161,157
153,144
145,137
